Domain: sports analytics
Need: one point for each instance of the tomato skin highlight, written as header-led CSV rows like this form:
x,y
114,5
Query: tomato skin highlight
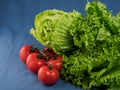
x,y
34,63
48,76
56,63
25,51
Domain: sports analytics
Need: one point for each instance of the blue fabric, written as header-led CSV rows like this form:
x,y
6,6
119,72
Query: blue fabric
x,y
16,19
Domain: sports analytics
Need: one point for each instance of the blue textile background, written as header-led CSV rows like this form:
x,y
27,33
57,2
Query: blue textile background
x,y
16,20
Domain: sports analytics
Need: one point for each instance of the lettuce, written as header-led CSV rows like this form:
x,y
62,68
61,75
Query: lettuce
x,y
90,45
97,61
62,41
44,25
52,27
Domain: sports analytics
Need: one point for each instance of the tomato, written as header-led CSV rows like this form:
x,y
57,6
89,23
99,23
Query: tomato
x,y
25,51
49,52
48,75
56,62
34,62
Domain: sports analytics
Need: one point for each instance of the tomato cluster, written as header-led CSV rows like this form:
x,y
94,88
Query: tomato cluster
x,y
45,63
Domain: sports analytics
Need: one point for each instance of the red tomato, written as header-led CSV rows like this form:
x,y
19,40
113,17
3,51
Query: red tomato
x,y
56,62
49,52
34,62
25,51
47,75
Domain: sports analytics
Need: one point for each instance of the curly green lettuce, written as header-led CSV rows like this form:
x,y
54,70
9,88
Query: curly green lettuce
x,y
90,45
52,27
44,25
97,62
62,41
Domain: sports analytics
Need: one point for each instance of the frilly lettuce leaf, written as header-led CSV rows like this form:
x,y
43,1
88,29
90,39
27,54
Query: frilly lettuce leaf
x,y
44,25
90,45
97,62
52,27
62,41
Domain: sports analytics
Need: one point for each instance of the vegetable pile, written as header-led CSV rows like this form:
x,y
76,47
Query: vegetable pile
x,y
89,45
